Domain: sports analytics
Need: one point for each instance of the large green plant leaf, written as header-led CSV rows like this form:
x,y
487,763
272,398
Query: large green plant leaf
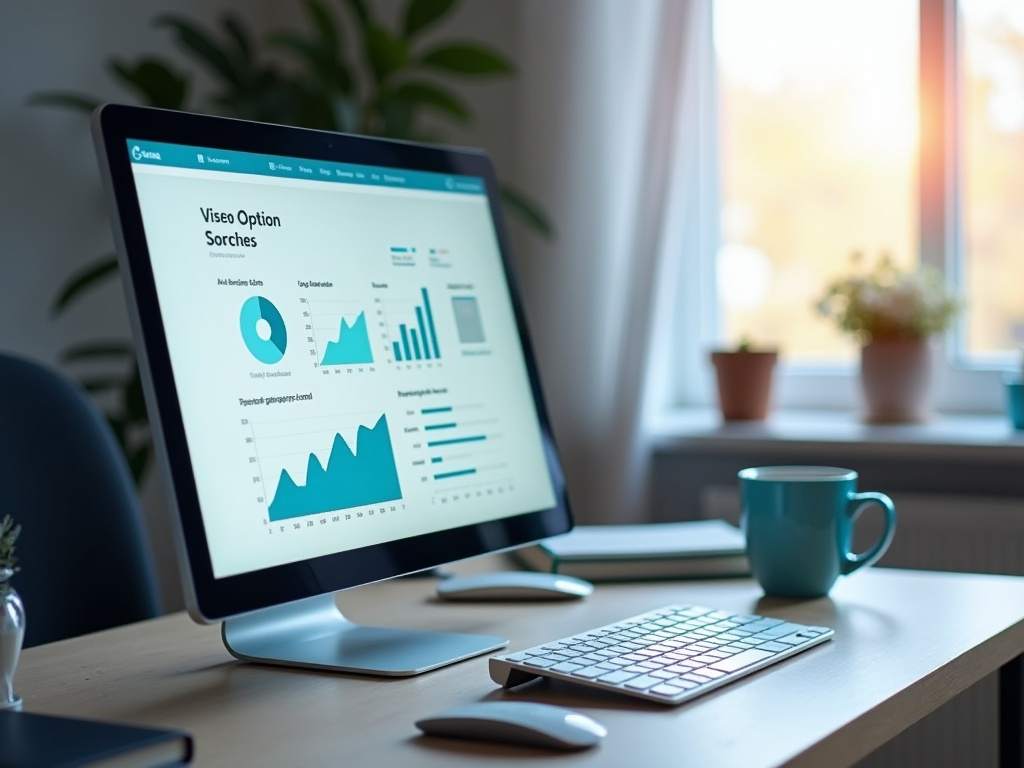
x,y
467,59
527,210
199,44
98,350
64,100
387,53
154,80
84,279
420,92
421,14
360,11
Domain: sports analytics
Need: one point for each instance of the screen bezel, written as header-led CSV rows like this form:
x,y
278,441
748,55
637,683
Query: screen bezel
x,y
211,598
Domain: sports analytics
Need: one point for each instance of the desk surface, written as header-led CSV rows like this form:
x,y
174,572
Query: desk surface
x,y
906,642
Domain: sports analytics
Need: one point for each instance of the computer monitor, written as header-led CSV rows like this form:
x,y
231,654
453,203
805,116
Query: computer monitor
x,y
337,370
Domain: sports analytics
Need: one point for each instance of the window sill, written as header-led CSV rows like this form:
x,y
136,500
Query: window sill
x,y
969,437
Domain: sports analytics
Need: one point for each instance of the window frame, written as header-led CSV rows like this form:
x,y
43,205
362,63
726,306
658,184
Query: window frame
x,y
960,384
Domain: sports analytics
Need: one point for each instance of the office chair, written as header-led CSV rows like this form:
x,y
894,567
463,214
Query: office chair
x,y
85,562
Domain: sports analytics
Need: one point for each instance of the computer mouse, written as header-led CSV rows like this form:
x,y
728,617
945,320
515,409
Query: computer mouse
x,y
514,585
516,722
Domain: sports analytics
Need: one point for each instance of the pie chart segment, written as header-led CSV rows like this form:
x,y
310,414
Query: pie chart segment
x,y
268,350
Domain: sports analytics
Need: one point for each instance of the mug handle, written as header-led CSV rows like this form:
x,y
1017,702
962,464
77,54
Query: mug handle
x,y
858,502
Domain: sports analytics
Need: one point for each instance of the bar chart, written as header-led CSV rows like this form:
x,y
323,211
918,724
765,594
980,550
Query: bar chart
x,y
413,332
463,443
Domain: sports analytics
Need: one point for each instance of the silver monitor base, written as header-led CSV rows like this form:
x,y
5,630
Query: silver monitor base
x,y
314,633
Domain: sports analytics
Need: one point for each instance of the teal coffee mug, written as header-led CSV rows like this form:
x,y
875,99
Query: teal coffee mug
x,y
799,527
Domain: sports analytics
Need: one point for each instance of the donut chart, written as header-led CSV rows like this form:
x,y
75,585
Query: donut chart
x,y
267,350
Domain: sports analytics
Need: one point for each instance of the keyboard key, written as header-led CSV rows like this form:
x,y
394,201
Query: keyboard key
x,y
774,647
636,669
566,667
609,666
710,659
615,678
741,660
694,678
521,656
589,673
542,662
681,669
795,639
666,690
662,674
708,672
643,682
725,654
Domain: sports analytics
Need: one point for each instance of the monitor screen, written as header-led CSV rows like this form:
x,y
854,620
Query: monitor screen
x,y
344,348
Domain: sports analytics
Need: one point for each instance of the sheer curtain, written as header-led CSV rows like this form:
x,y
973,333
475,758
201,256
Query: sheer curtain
x,y
613,110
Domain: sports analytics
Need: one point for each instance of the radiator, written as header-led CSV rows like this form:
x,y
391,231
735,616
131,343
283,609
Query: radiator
x,y
940,533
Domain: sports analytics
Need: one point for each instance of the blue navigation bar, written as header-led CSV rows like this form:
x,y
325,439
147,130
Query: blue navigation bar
x,y
274,166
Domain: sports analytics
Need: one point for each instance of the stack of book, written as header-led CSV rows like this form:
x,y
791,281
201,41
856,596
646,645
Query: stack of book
x,y
697,549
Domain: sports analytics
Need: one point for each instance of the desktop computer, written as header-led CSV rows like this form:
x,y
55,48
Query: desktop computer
x,y
337,371
342,390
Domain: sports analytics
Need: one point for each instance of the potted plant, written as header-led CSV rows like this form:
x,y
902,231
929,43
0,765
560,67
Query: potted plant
x,y
12,616
893,313
744,377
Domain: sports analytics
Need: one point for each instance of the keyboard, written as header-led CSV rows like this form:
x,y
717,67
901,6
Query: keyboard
x,y
669,655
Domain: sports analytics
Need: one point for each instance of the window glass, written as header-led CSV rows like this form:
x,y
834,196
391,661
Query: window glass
x,y
818,134
993,173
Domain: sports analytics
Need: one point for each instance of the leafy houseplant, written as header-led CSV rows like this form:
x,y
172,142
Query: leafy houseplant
x,y
383,85
744,378
892,313
12,615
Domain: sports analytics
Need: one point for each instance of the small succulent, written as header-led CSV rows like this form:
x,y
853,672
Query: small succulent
x,y
8,535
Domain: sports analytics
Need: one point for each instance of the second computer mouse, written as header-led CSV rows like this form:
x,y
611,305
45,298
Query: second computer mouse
x,y
513,585
516,722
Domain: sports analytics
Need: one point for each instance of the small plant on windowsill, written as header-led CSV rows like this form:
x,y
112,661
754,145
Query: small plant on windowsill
x,y
893,313
12,615
744,377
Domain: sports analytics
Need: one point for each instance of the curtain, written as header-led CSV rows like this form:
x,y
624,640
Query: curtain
x,y
613,108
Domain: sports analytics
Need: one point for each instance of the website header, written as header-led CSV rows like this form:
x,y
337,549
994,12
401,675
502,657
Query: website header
x,y
274,166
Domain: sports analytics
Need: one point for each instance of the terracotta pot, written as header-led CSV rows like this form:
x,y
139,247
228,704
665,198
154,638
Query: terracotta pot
x,y
744,384
896,377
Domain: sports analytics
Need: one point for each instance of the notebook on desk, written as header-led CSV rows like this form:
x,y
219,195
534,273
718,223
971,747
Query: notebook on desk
x,y
692,549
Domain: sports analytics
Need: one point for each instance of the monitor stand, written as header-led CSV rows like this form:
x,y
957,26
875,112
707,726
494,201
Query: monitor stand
x,y
315,633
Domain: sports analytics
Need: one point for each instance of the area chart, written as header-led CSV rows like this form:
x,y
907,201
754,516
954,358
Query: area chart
x,y
352,346
368,476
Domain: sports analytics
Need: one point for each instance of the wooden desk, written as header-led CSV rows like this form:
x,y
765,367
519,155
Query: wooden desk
x,y
906,642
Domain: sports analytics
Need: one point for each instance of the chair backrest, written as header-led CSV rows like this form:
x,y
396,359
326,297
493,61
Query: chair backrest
x,y
84,558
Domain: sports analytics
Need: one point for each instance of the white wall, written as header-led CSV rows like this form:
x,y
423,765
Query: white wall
x,y
52,218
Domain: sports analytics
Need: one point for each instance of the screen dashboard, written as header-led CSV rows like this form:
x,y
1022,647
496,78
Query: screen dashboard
x,y
344,349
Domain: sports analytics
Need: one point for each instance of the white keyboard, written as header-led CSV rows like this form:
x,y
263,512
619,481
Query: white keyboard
x,y
669,655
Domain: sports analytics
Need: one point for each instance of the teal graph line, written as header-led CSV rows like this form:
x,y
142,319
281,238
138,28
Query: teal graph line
x,y
449,425
442,409
352,346
455,440
459,473
368,476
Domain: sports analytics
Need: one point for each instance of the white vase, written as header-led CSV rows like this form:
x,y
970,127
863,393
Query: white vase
x,y
12,635
896,378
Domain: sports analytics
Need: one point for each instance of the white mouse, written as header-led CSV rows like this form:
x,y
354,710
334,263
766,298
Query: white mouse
x,y
514,585
516,722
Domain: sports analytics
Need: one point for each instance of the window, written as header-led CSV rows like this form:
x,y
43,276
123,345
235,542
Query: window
x,y
992,114
892,126
818,144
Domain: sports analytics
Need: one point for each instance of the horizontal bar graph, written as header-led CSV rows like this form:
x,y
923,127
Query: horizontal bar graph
x,y
448,425
436,459
439,409
456,440
457,473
